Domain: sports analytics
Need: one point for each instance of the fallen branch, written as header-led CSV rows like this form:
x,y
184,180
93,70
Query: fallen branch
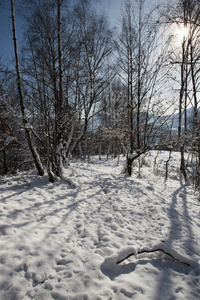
x,y
152,251
70,182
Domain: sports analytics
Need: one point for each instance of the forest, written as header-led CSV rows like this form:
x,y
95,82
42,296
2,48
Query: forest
x,y
100,151
80,87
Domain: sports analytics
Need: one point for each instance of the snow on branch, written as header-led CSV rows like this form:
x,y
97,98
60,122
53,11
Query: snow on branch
x,y
111,264
160,248
69,181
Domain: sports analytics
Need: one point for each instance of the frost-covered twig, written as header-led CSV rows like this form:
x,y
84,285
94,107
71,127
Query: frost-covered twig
x,y
160,248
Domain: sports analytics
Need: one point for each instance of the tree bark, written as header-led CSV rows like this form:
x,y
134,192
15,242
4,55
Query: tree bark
x,y
130,159
59,112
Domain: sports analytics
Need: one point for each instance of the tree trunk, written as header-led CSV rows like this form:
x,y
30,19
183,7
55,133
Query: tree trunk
x,y
33,150
130,159
183,167
184,79
129,166
4,162
196,127
59,112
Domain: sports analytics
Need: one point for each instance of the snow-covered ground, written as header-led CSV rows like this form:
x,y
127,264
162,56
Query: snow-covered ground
x,y
61,242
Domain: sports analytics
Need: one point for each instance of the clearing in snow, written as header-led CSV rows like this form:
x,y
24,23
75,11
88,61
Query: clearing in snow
x,y
111,237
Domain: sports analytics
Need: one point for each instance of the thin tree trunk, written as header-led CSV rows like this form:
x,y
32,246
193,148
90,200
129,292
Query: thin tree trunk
x,y
194,92
183,167
182,91
167,165
4,162
139,77
100,150
59,117
33,150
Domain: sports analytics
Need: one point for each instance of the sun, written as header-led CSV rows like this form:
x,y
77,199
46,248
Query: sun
x,y
182,32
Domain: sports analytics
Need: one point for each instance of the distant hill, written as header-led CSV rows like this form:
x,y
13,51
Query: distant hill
x,y
174,120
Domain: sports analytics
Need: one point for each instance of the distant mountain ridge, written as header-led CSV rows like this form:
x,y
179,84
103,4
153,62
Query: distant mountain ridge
x,y
174,119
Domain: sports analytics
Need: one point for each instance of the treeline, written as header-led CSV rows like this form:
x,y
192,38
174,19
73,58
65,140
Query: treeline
x,y
80,87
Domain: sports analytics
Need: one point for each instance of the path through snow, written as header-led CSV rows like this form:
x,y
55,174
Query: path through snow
x,y
61,243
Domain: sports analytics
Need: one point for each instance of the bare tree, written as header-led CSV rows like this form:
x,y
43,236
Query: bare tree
x,y
94,47
141,60
186,16
67,72
26,124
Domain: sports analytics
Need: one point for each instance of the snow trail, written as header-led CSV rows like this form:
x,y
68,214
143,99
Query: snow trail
x,y
60,242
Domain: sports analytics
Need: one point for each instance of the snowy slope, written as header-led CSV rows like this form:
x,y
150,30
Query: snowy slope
x,y
59,242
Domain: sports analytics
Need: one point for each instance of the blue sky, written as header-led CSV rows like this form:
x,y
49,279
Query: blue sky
x,y
111,7
5,30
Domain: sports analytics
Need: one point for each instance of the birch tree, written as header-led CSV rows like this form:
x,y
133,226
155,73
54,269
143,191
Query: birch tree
x,y
141,58
25,121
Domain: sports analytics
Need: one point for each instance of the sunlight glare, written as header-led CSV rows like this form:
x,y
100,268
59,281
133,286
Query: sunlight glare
x,y
182,32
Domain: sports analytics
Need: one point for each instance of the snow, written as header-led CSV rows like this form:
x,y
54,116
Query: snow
x,y
59,241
